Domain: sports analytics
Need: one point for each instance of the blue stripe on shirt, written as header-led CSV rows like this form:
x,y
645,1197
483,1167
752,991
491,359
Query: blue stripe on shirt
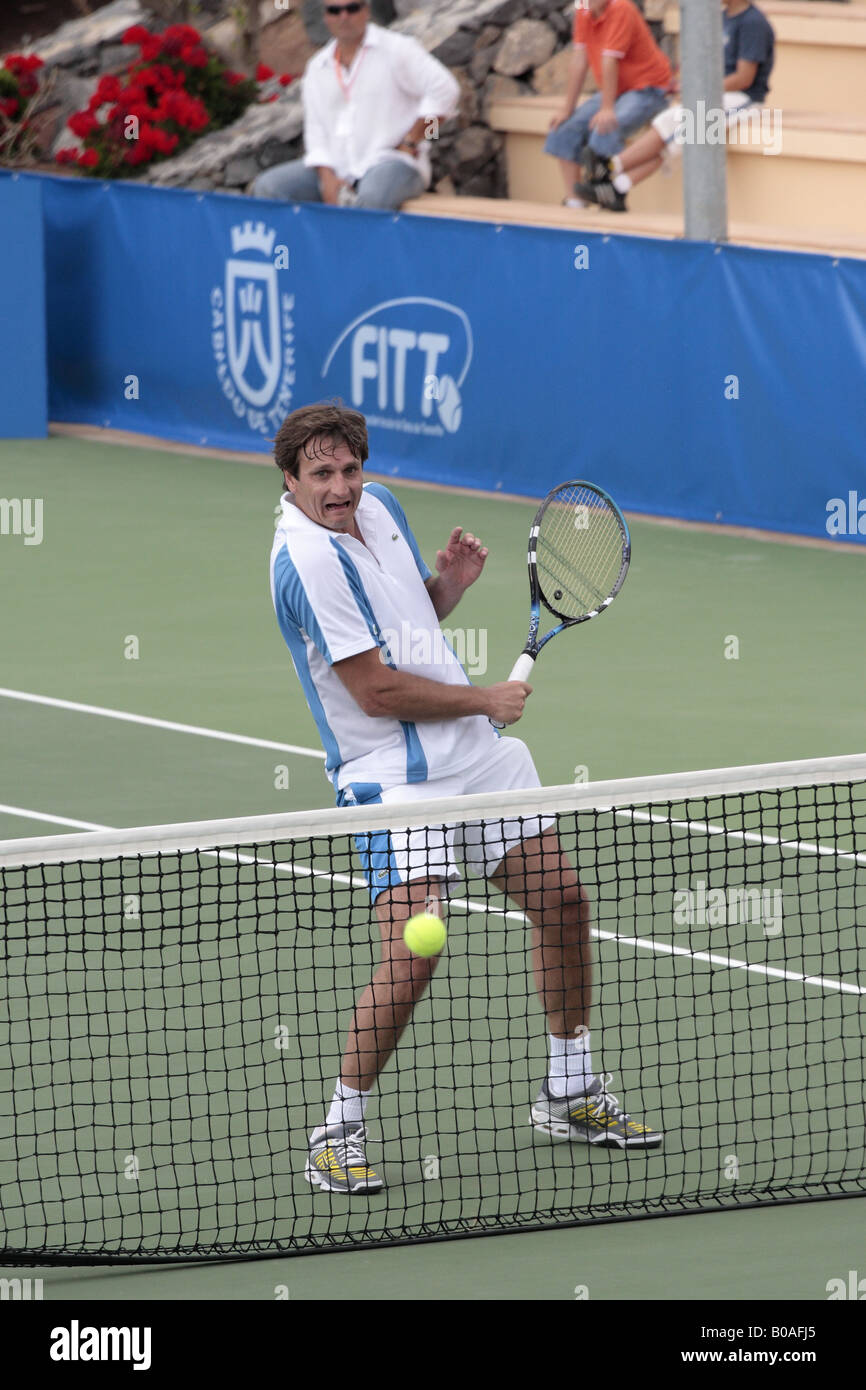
x,y
389,501
294,612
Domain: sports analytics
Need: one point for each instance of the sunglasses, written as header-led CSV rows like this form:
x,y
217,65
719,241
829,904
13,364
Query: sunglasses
x,y
354,8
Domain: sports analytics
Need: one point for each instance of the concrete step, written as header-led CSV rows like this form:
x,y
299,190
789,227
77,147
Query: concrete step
x,y
820,53
668,225
815,182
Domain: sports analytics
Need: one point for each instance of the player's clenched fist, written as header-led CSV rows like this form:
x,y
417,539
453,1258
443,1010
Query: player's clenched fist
x,y
506,701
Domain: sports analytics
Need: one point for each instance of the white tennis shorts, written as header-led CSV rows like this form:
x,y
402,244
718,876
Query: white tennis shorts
x,y
392,857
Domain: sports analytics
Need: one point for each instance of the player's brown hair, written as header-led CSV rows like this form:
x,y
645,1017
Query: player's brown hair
x,y
324,425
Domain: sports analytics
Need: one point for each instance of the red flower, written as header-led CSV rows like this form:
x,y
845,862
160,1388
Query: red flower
x,y
151,48
138,111
161,141
264,73
285,79
108,88
186,111
233,78
9,107
151,77
136,34
22,62
82,124
67,156
88,159
136,154
184,33
133,99
194,57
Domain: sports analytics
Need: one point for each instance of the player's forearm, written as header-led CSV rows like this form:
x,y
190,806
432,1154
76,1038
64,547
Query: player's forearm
x,y
401,695
609,80
444,596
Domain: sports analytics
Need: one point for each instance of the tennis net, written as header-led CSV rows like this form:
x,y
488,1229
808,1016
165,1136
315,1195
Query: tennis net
x,y
175,1003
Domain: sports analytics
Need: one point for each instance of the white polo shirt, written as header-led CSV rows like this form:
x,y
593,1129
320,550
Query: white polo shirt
x,y
354,119
335,596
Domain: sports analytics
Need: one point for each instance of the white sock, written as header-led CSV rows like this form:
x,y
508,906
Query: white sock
x,y
575,203
571,1071
622,183
348,1107
616,163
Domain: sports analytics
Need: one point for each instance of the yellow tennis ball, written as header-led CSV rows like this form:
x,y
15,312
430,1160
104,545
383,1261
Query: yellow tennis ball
x,y
425,934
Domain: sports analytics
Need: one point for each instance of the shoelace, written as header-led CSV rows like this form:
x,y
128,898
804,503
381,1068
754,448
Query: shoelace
x,y
350,1151
604,1102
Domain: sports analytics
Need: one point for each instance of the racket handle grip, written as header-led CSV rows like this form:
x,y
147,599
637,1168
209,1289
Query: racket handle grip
x,y
520,671
522,668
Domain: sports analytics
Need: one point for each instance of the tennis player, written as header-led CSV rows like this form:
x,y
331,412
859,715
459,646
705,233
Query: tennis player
x,y
402,723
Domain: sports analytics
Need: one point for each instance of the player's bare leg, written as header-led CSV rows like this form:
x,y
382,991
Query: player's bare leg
x,y
540,879
386,1005
574,1103
337,1158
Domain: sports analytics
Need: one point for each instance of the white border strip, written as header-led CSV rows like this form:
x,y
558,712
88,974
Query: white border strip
x,y
600,796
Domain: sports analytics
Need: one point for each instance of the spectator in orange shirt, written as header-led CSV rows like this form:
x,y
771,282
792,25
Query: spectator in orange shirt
x,y
632,73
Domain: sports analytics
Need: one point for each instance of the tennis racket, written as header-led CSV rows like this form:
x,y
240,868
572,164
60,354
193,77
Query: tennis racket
x,y
579,553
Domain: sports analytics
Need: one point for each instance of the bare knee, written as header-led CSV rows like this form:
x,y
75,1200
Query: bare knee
x,y
567,910
404,974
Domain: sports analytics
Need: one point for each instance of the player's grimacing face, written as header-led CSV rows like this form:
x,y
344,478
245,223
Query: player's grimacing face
x,y
328,486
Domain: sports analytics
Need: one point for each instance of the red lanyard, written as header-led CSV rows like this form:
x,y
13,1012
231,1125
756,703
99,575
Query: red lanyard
x,y
344,87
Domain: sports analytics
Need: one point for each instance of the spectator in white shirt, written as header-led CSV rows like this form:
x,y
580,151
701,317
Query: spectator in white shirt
x,y
370,98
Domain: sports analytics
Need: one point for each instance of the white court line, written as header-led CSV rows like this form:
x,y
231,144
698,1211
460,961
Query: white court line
x,y
749,837
52,820
355,881
169,724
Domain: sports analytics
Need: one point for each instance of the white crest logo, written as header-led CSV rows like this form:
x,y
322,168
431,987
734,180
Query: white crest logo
x,y
252,329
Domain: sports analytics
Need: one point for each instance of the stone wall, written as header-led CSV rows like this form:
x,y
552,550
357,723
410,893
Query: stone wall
x,y
495,48
508,48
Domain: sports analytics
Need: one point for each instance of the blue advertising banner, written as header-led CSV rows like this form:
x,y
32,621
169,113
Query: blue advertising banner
x,y
23,383
712,383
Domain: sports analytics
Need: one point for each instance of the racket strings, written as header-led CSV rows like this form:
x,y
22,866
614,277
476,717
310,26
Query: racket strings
x,y
579,551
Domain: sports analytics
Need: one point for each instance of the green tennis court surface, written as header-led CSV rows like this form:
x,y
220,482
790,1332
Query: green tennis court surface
x,y
172,552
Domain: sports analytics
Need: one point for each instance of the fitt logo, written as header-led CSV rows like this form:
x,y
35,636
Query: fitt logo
x,y
404,363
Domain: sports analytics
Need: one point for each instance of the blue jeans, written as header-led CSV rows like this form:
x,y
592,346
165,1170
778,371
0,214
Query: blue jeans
x,y
633,110
386,185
